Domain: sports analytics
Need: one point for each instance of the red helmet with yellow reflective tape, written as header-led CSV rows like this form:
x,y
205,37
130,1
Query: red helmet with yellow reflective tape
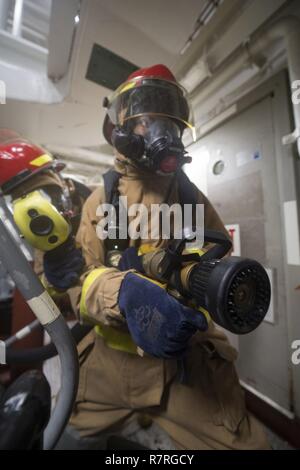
x,y
19,161
148,91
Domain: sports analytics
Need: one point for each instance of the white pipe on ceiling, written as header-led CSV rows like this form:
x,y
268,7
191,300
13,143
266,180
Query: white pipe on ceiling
x,y
61,37
80,155
17,19
225,12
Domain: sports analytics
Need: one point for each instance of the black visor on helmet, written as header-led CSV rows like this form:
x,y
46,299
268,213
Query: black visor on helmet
x,y
151,97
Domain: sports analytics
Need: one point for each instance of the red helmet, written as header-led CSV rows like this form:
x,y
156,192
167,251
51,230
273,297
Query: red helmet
x,y
150,90
19,160
158,71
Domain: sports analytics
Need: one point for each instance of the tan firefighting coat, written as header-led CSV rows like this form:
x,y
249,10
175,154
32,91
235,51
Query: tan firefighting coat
x,y
208,412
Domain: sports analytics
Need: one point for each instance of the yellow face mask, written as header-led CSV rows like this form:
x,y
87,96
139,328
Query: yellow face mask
x,y
41,224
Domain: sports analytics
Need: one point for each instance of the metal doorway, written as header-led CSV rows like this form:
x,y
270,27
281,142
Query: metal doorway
x,y
251,180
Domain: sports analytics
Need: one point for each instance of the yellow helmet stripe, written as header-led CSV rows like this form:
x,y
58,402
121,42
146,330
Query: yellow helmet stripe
x,y
42,160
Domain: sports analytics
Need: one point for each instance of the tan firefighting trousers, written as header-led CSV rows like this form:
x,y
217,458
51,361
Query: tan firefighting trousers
x,y
208,412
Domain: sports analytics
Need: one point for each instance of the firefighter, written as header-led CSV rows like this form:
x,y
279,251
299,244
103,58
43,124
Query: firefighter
x,y
184,380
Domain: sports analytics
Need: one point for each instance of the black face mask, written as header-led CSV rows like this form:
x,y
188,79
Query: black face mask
x,y
151,143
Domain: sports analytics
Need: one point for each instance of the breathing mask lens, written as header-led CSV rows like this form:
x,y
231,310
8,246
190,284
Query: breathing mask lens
x,y
163,146
148,96
153,143
153,128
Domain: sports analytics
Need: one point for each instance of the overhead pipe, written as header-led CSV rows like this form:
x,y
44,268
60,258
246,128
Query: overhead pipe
x,y
226,11
80,155
288,29
87,171
17,18
206,14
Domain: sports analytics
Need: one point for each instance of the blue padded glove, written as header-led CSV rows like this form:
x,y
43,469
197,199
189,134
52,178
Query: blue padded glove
x,y
130,260
63,265
157,322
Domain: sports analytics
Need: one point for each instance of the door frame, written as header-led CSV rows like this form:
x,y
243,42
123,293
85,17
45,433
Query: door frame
x,y
288,169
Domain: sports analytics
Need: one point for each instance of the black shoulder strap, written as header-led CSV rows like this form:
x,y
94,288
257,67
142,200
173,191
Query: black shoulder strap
x,y
81,189
187,191
111,181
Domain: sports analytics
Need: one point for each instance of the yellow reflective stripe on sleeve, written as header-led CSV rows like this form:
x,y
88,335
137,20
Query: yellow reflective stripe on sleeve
x,y
55,294
116,339
86,285
205,313
40,161
190,251
146,248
